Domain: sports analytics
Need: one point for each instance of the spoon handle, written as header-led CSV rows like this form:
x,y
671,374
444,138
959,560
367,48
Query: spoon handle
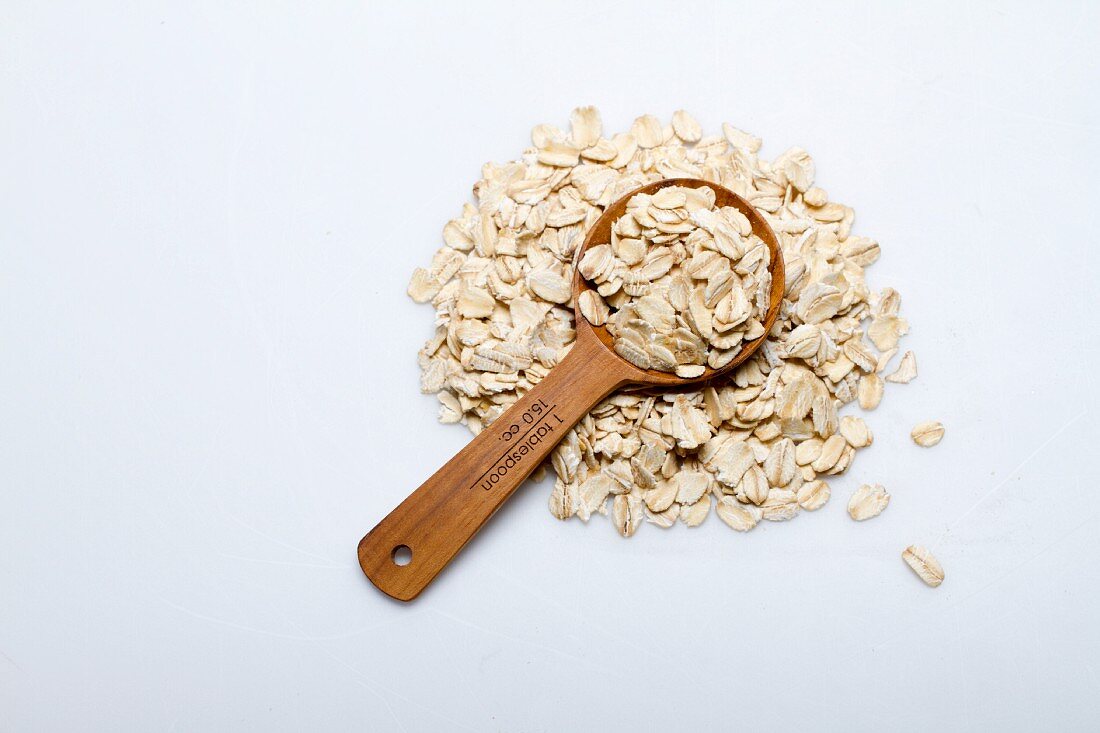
x,y
448,509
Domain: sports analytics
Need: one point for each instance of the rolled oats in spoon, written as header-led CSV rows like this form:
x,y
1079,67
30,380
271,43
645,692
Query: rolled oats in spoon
x,y
682,284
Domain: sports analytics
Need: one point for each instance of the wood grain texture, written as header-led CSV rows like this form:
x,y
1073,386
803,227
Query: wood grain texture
x,y
440,517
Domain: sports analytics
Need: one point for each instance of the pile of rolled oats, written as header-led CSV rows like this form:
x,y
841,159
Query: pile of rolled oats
x,y
755,446
681,285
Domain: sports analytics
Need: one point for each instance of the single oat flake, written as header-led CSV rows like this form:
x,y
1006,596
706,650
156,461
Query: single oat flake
x,y
868,501
906,371
924,564
813,495
683,285
927,434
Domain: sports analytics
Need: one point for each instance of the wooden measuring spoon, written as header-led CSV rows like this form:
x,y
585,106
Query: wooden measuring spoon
x,y
429,528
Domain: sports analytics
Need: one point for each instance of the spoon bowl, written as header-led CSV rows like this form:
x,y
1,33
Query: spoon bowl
x,y
413,543
600,233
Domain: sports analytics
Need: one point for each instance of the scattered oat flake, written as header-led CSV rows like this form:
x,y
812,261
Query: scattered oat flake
x,y
586,126
868,501
924,564
870,391
741,517
686,127
627,514
906,371
647,131
693,514
855,431
813,495
781,505
927,434
741,139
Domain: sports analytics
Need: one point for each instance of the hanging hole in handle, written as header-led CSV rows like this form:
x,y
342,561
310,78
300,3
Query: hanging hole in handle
x,y
401,555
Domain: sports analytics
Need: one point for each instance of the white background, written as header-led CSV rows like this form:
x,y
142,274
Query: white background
x,y
208,389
